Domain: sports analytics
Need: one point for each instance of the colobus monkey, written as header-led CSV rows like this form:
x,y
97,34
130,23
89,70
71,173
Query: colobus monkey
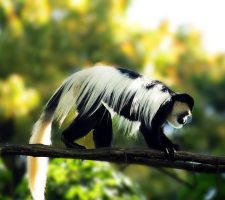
x,y
98,94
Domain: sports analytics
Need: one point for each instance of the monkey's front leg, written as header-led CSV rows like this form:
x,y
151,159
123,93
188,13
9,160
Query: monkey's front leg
x,y
156,139
169,146
166,142
152,137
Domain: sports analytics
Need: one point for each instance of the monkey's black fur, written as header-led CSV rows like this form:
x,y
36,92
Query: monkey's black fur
x,y
99,119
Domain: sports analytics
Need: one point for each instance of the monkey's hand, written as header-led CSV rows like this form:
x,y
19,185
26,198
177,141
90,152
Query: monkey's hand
x,y
170,150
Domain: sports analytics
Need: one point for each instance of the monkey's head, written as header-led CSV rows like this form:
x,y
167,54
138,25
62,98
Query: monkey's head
x,y
181,113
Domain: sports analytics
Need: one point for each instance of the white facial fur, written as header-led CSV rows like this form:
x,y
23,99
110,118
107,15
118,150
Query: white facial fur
x,y
178,109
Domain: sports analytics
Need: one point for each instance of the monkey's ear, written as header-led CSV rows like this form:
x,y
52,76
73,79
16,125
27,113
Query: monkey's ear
x,y
185,98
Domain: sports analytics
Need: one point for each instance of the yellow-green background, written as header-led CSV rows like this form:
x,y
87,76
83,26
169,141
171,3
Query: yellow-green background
x,y
42,42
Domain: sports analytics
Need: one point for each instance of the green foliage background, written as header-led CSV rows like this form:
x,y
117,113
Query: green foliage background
x,y
42,42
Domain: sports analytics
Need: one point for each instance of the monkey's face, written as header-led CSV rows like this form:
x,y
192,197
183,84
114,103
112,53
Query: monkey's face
x,y
180,115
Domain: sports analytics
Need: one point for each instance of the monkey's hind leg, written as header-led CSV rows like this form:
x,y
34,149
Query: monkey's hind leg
x,y
80,127
102,134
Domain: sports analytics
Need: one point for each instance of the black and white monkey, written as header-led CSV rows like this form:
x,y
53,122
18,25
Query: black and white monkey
x,y
98,94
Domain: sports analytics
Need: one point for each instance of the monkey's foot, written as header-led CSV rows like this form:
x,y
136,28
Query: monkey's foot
x,y
71,144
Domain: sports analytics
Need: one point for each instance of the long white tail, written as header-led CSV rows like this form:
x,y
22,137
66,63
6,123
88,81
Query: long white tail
x,y
37,167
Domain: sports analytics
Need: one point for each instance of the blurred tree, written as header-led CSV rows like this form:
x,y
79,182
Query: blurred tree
x,y
16,101
86,180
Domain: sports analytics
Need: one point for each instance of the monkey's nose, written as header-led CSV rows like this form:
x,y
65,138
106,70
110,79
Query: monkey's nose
x,y
189,119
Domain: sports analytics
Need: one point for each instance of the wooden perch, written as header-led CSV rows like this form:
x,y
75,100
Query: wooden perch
x,y
183,160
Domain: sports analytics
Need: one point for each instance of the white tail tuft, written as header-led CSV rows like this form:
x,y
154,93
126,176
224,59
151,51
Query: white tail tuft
x,y
37,167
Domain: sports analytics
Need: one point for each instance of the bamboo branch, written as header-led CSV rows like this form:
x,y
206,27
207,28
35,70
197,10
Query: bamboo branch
x,y
183,160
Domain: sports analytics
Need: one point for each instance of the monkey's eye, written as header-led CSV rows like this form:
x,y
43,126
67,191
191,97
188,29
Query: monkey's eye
x,y
181,120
